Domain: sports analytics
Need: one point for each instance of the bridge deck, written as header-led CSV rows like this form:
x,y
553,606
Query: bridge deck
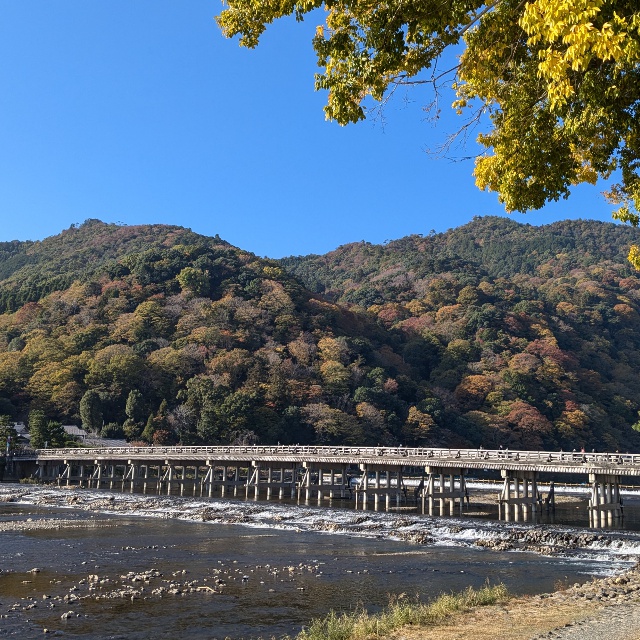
x,y
504,460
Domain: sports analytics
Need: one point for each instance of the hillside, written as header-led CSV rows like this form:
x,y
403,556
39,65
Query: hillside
x,y
495,247
493,333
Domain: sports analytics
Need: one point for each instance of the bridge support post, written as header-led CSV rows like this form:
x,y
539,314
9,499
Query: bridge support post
x,y
345,483
253,480
294,479
447,491
269,480
376,495
307,483
183,479
146,478
208,480
196,473
365,486
236,480
520,491
132,474
605,503
281,488
65,475
169,476
223,486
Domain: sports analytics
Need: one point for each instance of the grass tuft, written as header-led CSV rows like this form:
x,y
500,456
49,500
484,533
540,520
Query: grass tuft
x,y
401,612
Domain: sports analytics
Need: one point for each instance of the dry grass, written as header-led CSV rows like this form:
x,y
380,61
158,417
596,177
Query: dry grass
x,y
400,614
471,615
518,619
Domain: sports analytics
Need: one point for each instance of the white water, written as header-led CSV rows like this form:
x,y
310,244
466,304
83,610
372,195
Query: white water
x,y
615,550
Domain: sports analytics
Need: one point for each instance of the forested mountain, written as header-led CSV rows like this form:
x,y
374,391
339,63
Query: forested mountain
x,y
490,246
492,333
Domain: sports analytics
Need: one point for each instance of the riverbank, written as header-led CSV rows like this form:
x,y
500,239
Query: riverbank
x,y
597,610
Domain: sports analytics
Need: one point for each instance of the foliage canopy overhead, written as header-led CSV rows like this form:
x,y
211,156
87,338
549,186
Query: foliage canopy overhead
x,y
559,79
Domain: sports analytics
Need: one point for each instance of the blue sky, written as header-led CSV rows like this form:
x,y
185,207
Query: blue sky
x,y
139,111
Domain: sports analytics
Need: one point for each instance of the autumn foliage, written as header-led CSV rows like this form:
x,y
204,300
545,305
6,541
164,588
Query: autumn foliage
x,y
494,333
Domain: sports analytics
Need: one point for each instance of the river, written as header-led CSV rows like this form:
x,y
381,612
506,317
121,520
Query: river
x,y
140,567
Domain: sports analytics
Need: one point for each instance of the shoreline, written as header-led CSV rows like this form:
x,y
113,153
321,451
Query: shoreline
x,y
597,610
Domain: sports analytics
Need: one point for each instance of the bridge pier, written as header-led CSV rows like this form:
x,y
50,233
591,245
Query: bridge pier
x,y
63,475
448,492
97,474
45,471
207,480
311,481
112,476
168,476
253,480
378,487
219,475
196,472
145,481
519,497
130,473
605,503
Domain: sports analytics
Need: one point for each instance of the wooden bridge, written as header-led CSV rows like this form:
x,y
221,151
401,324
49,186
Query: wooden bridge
x,y
436,478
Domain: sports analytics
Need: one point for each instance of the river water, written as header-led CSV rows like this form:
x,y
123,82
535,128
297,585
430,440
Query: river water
x,y
275,570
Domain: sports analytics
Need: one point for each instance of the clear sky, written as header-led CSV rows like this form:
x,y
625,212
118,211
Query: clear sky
x,y
139,111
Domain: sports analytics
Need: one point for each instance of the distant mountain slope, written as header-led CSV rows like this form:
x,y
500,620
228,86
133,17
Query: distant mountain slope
x,y
497,247
493,333
29,270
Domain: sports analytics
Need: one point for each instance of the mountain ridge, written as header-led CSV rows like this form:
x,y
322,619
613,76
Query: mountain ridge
x,y
491,333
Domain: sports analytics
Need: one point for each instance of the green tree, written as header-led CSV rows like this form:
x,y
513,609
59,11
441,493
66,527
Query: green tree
x,y
134,410
194,281
158,423
7,433
559,79
56,435
147,434
112,430
44,432
38,429
91,411
134,407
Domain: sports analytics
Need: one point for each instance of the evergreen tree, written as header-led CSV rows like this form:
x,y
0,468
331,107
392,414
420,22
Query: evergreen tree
x,y
91,411
7,433
38,429
45,433
135,406
56,435
147,434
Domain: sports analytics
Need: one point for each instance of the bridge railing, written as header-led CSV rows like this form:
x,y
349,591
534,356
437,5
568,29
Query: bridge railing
x,y
419,454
